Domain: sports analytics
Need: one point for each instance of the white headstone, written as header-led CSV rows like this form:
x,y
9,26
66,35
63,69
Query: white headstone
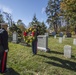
x,y
46,34
74,41
64,37
67,51
15,37
60,39
54,36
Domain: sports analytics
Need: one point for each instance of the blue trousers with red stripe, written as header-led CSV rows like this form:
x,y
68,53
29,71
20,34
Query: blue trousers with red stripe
x,y
3,60
34,47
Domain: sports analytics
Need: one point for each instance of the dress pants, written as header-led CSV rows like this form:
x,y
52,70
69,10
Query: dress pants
x,y
3,60
34,47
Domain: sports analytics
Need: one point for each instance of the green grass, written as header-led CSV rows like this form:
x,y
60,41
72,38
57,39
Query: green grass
x,y
21,61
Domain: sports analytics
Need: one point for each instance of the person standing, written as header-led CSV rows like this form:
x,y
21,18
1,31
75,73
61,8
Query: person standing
x,y
34,42
3,47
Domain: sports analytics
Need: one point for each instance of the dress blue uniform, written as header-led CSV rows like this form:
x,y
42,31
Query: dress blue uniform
x,y
3,49
34,43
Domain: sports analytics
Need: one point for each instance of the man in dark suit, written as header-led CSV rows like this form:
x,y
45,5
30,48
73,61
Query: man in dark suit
x,y
3,47
34,42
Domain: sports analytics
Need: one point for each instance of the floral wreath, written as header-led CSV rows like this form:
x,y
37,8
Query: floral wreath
x,y
29,35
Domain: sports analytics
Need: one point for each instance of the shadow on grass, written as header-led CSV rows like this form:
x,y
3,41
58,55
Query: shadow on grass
x,y
63,63
11,72
55,52
24,44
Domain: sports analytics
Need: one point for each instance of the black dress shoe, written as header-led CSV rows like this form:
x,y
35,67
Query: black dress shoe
x,y
5,71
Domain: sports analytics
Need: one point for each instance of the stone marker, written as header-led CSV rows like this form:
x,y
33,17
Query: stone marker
x,y
43,43
74,41
64,37
46,34
67,51
15,37
54,36
60,39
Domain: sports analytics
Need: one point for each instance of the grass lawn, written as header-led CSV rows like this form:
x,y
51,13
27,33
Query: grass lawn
x,y
22,62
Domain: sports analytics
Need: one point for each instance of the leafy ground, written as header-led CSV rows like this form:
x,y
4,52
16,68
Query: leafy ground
x,y
22,62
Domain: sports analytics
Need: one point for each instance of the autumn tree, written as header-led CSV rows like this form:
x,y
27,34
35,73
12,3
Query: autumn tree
x,y
34,21
69,9
40,25
52,11
21,25
8,18
43,28
15,28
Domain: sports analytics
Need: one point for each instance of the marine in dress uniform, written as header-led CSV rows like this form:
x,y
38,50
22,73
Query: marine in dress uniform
x,y
3,48
34,42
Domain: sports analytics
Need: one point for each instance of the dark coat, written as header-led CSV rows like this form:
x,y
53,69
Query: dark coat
x,y
4,38
36,33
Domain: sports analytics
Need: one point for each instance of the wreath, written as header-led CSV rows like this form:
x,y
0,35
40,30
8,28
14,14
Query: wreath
x,y
29,35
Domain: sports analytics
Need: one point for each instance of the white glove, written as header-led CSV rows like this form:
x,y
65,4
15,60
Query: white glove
x,y
6,50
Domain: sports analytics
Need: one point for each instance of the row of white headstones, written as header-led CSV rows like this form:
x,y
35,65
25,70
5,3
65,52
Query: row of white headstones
x,y
67,48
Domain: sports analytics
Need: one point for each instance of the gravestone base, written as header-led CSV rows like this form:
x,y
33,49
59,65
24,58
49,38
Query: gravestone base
x,y
43,49
14,41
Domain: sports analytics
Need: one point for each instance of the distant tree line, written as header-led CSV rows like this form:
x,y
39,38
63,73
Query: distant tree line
x,y
19,26
57,10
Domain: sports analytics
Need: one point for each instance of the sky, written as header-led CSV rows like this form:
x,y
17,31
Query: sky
x,y
25,9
